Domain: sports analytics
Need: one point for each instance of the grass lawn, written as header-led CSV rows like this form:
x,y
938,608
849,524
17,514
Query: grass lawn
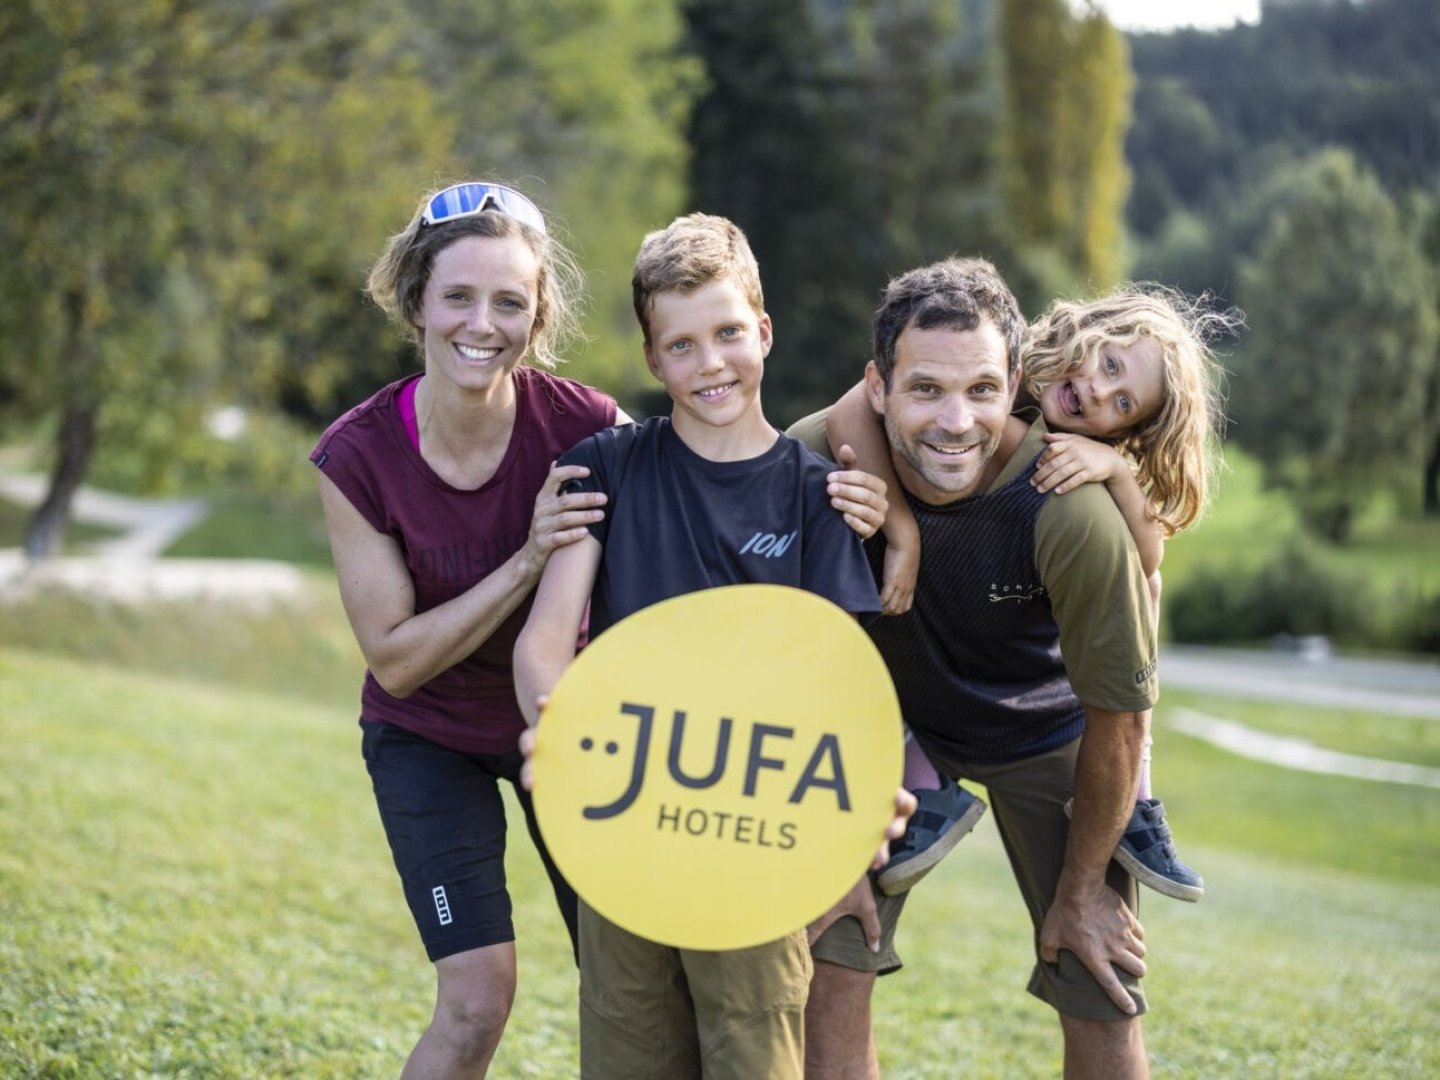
x,y
1243,526
1399,553
193,883
243,525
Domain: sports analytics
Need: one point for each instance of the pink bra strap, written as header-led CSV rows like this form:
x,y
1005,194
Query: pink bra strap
x,y
406,401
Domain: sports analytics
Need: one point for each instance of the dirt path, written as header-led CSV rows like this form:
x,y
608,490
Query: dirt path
x,y
127,567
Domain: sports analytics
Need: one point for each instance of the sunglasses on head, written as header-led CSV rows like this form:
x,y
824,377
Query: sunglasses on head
x,y
467,200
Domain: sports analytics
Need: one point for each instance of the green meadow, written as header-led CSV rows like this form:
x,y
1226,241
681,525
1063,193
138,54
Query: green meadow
x,y
193,883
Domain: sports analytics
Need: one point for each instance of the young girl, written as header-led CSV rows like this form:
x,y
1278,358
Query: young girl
x,y
1129,387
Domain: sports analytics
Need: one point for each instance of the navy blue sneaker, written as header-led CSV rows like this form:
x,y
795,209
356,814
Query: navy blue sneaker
x,y
1147,852
941,821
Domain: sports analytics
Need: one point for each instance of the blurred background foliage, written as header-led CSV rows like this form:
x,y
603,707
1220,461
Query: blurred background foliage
x,y
193,194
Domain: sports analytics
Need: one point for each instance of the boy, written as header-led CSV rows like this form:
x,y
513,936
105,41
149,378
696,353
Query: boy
x,y
685,494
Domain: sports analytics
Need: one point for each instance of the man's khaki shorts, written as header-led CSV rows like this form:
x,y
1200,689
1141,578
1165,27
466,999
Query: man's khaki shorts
x,y
1027,798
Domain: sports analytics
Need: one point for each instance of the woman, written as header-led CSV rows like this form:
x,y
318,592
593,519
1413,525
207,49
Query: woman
x,y
442,506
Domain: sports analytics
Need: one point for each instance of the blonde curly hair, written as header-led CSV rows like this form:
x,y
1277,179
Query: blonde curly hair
x,y
1176,451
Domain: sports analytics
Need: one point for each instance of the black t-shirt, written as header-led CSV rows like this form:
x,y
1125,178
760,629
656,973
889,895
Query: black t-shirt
x,y
677,523
1026,606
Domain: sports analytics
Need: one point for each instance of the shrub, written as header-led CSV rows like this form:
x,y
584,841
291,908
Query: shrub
x,y
1297,592
1420,625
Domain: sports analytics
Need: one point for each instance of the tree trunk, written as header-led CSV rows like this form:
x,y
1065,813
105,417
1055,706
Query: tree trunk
x,y
1339,524
75,439
1430,497
75,444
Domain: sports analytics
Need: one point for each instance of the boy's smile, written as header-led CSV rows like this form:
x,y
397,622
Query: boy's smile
x,y
715,393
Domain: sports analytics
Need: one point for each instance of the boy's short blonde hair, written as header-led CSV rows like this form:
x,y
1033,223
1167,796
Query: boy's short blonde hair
x,y
688,254
1175,451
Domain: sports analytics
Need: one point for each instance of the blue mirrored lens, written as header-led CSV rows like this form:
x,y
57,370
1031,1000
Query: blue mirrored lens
x,y
464,200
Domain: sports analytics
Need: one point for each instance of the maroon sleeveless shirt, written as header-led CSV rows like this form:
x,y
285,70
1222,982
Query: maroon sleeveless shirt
x,y
451,539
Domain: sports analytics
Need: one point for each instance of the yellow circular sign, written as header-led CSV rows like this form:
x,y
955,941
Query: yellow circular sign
x,y
715,771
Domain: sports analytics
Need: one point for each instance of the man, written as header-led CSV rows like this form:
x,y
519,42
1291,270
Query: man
x,y
1010,578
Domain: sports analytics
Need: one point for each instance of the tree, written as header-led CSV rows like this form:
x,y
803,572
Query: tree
x,y
1067,97
1177,150
1427,213
584,104
1329,388
1354,73
850,141
1098,103
151,155
1034,38
194,192
770,149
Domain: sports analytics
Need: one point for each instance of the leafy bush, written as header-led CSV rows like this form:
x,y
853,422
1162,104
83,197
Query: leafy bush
x,y
1296,592
1420,625
267,454
1301,591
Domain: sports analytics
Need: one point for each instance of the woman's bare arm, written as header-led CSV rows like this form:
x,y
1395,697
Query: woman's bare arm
x,y
405,649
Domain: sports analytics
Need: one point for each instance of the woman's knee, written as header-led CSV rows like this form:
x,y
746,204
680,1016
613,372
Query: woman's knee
x,y
475,994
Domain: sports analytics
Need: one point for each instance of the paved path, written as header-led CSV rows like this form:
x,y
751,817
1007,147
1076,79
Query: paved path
x,y
127,567
1393,687
149,526
1387,687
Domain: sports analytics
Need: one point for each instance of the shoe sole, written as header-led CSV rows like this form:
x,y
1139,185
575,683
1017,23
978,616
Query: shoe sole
x,y
908,873
1159,882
